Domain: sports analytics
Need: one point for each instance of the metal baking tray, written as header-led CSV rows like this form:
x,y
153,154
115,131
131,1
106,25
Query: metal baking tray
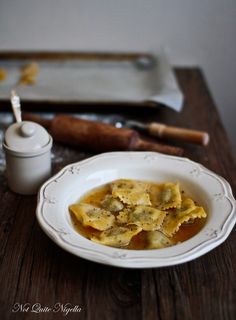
x,y
91,79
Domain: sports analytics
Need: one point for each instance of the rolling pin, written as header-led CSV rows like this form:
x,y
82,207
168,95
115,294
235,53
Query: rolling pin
x,y
98,137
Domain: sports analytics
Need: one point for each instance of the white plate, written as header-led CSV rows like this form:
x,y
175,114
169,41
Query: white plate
x,y
66,187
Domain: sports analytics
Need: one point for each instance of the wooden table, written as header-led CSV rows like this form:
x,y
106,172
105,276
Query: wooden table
x,y
34,270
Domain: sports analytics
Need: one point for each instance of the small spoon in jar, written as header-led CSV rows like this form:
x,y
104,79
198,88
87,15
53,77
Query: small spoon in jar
x,y
16,107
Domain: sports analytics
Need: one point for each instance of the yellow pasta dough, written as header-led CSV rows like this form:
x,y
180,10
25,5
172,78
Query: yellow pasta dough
x,y
147,218
131,192
112,204
92,216
29,73
3,74
187,211
157,240
117,236
165,196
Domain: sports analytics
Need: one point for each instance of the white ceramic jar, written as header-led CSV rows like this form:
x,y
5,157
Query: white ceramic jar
x,y
27,146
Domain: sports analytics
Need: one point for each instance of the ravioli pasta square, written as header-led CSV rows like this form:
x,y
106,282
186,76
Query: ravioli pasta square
x,y
131,192
147,218
187,211
157,240
117,236
165,196
123,216
92,216
112,204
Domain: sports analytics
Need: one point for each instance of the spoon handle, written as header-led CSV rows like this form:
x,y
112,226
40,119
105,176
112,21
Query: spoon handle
x,y
16,108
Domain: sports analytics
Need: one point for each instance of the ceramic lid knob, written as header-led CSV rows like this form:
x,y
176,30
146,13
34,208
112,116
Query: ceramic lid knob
x,y
27,129
26,136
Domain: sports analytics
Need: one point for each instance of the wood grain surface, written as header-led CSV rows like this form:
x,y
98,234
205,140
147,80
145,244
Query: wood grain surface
x,y
34,270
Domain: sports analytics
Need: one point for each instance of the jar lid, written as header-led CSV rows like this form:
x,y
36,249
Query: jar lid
x,y
26,136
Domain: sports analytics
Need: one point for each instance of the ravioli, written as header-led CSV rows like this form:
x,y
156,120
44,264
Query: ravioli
x,y
131,192
117,236
187,211
147,218
112,204
157,240
137,215
165,196
29,73
92,216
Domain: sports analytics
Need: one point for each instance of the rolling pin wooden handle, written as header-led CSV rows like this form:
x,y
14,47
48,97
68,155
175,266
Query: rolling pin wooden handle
x,y
187,135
